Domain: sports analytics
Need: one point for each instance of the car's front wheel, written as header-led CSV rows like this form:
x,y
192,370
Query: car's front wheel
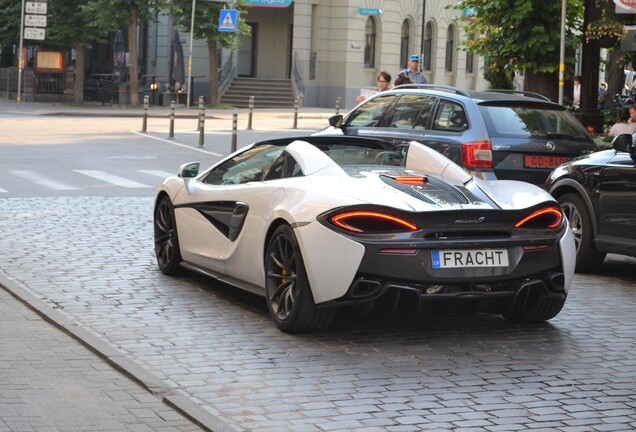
x,y
588,258
289,299
166,238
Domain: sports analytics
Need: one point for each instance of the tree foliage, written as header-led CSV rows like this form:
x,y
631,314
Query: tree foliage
x,y
206,20
522,34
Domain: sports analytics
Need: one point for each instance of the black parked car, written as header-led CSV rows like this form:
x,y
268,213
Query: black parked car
x,y
495,134
598,195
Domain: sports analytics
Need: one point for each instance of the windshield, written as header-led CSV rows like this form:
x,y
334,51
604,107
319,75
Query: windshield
x,y
532,122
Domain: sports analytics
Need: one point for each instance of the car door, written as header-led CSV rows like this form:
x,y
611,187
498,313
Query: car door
x,y
212,209
617,201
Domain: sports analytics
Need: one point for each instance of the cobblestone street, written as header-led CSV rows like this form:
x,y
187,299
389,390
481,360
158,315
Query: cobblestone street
x,y
92,259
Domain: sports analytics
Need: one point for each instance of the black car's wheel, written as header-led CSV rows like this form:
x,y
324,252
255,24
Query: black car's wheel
x,y
166,239
588,258
289,299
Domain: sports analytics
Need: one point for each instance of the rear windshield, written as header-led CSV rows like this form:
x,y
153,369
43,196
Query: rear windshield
x,y
532,121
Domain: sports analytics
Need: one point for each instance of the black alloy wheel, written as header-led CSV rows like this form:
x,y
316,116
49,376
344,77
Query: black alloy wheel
x,y
166,239
289,299
588,258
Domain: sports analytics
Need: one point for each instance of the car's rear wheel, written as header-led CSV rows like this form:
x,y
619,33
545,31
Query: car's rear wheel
x,y
289,299
588,258
166,238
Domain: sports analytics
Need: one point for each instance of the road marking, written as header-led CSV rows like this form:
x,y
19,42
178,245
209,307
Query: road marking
x,y
157,173
113,179
43,180
176,143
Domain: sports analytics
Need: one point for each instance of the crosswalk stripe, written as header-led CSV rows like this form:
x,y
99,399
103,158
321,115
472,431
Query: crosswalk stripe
x,y
43,180
113,179
157,173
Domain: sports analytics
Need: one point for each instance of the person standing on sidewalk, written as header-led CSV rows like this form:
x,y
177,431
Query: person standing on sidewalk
x,y
413,71
384,81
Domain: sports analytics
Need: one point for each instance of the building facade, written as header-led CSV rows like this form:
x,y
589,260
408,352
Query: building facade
x,y
329,48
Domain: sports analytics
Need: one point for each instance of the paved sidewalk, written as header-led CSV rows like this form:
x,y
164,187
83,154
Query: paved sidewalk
x,y
91,109
49,381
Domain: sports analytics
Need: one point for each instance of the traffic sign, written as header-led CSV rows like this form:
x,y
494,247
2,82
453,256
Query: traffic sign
x,y
36,8
34,33
228,20
35,20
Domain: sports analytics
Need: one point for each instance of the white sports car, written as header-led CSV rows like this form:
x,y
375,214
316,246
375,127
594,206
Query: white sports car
x,y
314,223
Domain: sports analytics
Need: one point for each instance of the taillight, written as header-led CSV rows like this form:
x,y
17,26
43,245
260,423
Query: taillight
x,y
550,218
477,154
371,222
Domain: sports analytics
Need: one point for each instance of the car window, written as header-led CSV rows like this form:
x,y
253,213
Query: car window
x,y
450,116
531,122
369,113
284,167
250,165
410,111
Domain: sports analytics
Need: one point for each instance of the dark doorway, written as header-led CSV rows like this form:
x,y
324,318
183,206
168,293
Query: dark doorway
x,y
247,53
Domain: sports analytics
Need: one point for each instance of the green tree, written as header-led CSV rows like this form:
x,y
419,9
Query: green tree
x,y
206,22
524,35
116,13
70,24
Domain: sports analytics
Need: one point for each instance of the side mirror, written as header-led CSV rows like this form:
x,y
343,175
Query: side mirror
x,y
625,143
336,120
189,170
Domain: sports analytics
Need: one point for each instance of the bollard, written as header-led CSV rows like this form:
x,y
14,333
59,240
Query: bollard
x,y
201,111
234,126
338,105
249,118
144,123
296,113
201,121
172,105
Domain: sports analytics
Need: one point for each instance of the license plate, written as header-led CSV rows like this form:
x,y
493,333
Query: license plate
x,y
543,161
470,258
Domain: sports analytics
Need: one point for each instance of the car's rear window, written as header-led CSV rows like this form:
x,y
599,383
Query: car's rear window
x,y
531,121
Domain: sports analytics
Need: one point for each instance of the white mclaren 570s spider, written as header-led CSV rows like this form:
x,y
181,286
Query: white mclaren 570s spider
x,y
314,223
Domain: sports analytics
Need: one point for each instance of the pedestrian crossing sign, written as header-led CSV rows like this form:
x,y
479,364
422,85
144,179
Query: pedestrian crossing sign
x,y
228,20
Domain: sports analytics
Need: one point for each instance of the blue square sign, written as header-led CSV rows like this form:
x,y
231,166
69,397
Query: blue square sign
x,y
228,20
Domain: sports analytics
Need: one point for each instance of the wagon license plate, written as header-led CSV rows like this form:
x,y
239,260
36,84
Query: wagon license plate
x,y
462,258
543,161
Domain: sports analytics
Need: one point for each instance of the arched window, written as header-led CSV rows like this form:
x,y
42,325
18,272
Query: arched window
x,y
470,57
369,43
428,46
450,49
404,44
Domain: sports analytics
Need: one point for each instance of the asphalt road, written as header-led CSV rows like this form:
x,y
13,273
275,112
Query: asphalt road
x,y
88,252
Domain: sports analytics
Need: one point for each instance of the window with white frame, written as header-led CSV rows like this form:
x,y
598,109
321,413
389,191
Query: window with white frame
x,y
369,43
404,44
428,47
450,49
470,57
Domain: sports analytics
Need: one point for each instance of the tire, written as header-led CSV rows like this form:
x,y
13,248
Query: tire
x,y
166,239
289,299
588,258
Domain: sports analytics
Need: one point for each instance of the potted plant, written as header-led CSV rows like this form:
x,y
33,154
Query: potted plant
x,y
607,33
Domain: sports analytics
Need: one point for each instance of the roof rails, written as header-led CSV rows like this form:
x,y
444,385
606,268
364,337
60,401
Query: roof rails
x,y
521,92
434,87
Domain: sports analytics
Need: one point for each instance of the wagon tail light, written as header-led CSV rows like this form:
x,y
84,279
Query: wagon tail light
x,y
370,222
546,218
477,154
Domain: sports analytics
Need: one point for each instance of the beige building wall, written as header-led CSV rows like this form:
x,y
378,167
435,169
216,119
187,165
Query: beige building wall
x,y
335,31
